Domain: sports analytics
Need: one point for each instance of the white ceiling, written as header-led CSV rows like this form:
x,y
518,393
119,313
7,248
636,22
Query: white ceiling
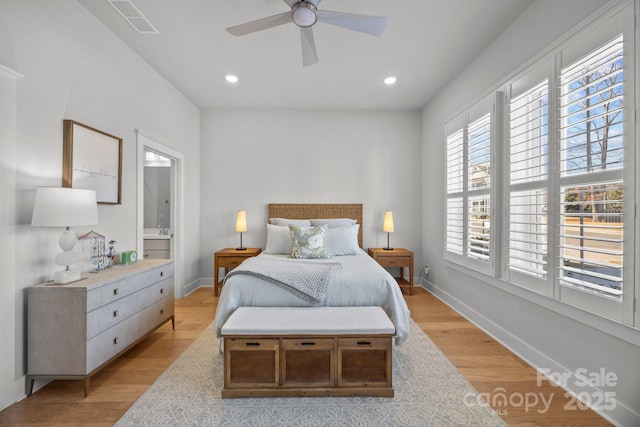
x,y
425,45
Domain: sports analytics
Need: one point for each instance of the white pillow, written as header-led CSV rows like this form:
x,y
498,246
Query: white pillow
x,y
342,240
287,222
334,222
278,240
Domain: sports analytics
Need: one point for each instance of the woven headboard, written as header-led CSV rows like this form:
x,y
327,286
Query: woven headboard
x,y
317,210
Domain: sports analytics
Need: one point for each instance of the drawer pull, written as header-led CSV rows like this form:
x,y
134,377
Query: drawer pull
x,y
115,341
307,343
252,344
364,342
115,291
162,274
115,313
162,290
162,311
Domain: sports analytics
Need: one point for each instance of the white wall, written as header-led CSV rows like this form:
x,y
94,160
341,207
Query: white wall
x,y
74,68
254,157
545,338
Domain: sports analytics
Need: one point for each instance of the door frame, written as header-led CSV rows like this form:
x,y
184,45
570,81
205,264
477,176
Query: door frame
x,y
147,142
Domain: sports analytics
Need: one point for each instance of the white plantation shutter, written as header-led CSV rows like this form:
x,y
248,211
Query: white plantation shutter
x,y
591,246
528,172
479,187
455,188
469,174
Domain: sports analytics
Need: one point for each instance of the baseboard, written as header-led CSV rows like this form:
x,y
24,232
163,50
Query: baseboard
x,y
190,287
620,415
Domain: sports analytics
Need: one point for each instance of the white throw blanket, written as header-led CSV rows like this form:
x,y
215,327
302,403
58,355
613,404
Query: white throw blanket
x,y
306,279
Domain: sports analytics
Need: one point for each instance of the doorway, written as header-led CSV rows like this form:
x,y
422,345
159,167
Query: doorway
x,y
157,224
159,206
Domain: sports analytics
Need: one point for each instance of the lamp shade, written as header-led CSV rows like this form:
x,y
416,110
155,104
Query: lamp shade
x,y
241,222
64,207
387,226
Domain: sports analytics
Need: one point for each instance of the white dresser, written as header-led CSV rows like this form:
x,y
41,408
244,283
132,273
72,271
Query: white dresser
x,y
75,329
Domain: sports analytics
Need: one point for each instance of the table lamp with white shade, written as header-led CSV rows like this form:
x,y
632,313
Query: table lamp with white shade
x,y
65,207
241,227
387,227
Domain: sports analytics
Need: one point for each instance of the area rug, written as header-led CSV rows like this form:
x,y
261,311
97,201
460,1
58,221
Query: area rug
x,y
429,391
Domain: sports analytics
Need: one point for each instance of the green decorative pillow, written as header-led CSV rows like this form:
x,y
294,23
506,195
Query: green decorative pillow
x,y
308,242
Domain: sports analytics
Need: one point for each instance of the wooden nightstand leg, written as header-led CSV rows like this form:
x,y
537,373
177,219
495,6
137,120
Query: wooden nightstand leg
x,y
215,281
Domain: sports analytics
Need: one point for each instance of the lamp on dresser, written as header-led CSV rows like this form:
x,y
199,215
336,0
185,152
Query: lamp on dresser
x,y
241,227
387,227
65,207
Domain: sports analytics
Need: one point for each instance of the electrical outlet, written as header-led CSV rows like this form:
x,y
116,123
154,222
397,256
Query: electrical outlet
x,y
425,270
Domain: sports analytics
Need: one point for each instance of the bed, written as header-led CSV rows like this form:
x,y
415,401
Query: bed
x,y
355,278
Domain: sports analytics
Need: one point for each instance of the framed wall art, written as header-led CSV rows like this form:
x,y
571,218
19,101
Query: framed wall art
x,y
92,160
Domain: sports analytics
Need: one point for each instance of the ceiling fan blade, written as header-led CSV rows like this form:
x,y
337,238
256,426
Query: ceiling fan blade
x,y
367,24
260,24
309,53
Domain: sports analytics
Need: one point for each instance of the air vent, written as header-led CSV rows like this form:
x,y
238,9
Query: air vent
x,y
133,16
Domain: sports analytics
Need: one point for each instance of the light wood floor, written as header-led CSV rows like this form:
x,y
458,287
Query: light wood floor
x,y
488,366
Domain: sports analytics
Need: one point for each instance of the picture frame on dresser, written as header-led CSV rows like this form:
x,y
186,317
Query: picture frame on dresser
x,y
92,160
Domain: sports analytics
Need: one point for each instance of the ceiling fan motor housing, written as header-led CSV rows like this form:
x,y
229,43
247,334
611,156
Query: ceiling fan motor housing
x,y
304,14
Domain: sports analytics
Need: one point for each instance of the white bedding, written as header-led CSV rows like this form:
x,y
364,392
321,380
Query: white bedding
x,y
360,282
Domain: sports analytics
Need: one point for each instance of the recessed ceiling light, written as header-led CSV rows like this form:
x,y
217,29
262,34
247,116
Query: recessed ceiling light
x,y
231,78
390,80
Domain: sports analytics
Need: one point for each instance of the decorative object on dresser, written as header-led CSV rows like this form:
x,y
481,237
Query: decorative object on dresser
x,y
75,330
241,227
64,207
92,159
397,257
229,258
387,227
94,257
128,257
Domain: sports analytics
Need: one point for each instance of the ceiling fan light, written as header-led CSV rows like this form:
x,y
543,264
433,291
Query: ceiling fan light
x,y
304,14
231,78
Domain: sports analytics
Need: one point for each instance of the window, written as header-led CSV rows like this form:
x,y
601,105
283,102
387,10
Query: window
x,y
470,140
592,172
565,178
528,181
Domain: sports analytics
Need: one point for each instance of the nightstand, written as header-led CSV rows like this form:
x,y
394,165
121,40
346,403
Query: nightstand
x,y
397,257
229,258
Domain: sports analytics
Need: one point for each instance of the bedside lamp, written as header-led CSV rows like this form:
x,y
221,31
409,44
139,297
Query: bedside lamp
x,y
387,227
241,227
65,207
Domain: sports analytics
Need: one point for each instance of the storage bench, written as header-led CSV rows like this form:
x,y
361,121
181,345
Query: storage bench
x,y
307,351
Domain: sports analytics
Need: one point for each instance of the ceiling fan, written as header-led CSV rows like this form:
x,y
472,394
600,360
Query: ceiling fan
x,y
305,14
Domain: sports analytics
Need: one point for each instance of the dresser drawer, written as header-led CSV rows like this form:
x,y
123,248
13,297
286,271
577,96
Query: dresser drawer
x,y
107,344
113,291
110,342
109,315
